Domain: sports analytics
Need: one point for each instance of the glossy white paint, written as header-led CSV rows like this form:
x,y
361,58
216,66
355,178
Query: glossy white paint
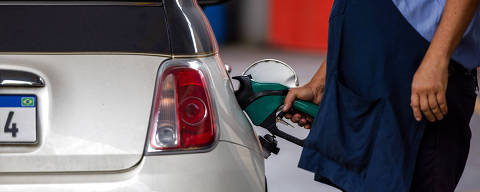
x,y
229,167
92,114
234,125
93,117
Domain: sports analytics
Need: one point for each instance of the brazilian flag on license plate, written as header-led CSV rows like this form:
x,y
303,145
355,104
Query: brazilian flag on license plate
x,y
28,101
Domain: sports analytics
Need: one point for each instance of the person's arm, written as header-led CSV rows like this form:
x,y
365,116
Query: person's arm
x,y
312,91
430,81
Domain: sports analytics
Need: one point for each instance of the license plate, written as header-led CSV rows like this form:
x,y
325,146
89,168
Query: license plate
x,y
18,119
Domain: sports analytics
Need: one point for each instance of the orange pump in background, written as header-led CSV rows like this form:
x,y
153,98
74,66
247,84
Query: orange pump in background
x,y
299,25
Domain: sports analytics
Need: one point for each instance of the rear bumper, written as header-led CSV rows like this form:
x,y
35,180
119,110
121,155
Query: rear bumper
x,y
229,167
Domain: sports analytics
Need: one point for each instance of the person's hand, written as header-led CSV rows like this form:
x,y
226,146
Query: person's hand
x,y
313,91
306,93
428,89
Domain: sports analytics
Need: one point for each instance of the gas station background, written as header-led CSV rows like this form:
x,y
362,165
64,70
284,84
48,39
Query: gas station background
x,y
285,24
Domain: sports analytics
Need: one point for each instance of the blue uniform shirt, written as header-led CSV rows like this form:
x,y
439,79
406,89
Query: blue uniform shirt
x,y
425,15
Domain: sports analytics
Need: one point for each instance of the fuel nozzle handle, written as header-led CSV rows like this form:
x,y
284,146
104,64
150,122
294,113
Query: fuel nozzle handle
x,y
261,102
245,95
306,107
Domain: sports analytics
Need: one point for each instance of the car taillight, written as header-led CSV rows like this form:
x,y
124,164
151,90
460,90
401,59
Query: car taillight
x,y
182,116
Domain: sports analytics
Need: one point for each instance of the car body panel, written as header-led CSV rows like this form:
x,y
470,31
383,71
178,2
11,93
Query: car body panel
x,y
234,125
229,167
189,29
93,112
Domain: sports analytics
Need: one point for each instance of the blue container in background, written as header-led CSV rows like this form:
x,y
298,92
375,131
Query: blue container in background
x,y
216,16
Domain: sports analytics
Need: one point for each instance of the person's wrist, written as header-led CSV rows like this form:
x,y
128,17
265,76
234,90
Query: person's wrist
x,y
436,58
316,88
316,85
440,53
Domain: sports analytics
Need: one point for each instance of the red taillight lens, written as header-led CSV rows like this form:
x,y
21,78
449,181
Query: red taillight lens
x,y
182,115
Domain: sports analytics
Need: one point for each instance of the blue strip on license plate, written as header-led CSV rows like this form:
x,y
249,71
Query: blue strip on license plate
x,y
18,101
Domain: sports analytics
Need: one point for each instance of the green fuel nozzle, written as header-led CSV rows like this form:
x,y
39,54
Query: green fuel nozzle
x,y
262,102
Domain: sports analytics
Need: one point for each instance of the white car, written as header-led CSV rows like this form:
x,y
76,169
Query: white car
x,y
119,96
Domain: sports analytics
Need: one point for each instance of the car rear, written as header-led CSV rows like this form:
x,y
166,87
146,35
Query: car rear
x,y
119,97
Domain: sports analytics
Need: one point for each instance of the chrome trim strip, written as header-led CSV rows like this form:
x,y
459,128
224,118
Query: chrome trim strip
x,y
54,3
14,78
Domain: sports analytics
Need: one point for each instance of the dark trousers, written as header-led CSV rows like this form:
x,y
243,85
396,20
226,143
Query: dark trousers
x,y
446,143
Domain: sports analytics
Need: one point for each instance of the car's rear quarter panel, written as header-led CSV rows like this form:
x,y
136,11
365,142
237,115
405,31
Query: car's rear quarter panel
x,y
93,118
93,113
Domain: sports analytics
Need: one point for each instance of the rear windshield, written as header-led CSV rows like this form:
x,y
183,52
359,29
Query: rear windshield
x,y
113,26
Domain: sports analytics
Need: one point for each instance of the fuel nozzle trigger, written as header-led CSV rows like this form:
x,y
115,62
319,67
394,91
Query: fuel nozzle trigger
x,y
271,125
281,121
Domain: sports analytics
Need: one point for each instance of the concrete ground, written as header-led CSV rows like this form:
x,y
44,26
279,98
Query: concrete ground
x,y
282,172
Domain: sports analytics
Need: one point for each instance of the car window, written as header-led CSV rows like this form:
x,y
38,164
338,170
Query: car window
x,y
83,28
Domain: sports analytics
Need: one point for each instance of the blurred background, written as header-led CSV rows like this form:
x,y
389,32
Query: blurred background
x,y
272,23
296,33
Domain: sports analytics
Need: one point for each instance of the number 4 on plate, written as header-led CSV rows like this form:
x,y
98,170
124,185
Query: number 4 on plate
x,y
14,129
